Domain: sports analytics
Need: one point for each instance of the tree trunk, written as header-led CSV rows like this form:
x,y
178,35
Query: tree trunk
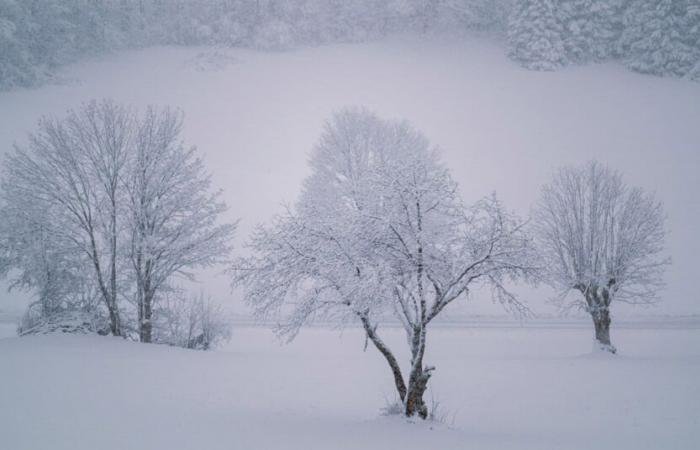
x,y
416,388
598,300
146,331
418,379
384,350
601,322
114,320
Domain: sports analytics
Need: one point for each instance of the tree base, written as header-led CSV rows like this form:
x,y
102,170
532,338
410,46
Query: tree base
x,y
600,347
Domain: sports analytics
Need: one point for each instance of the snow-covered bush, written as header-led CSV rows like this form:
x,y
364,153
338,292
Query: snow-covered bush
x,y
72,321
194,322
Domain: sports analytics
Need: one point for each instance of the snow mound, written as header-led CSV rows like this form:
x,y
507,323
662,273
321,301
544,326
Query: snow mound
x,y
71,322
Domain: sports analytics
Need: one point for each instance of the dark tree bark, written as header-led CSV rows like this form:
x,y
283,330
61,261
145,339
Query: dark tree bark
x,y
390,358
418,379
147,324
601,321
598,301
417,386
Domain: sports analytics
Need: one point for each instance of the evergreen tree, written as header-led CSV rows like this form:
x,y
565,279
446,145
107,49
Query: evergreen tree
x,y
657,39
591,28
15,61
535,36
693,27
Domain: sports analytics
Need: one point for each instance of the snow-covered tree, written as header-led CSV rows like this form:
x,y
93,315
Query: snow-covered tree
x,y
36,255
108,200
603,239
591,28
379,231
174,217
657,37
72,169
535,36
692,27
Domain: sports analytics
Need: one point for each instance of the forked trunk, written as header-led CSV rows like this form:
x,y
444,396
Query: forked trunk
x,y
416,389
598,299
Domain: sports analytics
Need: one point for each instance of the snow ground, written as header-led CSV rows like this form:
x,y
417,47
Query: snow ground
x,y
501,388
256,115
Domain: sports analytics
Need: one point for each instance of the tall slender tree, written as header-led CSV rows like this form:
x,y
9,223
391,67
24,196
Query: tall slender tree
x,y
73,169
174,216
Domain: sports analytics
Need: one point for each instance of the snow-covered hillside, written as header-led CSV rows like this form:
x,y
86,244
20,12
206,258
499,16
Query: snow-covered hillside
x,y
256,115
519,388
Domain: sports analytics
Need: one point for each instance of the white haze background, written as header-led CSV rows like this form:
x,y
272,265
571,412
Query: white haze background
x,y
256,115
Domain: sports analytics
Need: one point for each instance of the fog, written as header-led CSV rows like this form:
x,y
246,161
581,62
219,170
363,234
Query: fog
x,y
257,115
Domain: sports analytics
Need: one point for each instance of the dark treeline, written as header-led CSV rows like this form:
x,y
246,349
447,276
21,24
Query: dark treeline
x,y
660,37
650,36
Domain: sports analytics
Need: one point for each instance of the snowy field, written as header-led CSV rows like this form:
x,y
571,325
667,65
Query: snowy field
x,y
499,388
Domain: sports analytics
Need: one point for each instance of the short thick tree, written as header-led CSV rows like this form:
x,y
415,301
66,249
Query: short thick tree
x,y
380,231
603,239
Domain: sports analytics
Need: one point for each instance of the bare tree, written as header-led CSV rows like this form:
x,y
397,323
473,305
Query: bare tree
x,y
603,239
109,193
72,168
380,230
35,255
193,322
174,217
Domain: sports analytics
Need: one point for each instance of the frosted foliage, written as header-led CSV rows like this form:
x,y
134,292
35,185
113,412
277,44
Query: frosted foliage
x,y
379,230
660,37
597,233
352,241
34,41
591,28
107,204
535,35
541,34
